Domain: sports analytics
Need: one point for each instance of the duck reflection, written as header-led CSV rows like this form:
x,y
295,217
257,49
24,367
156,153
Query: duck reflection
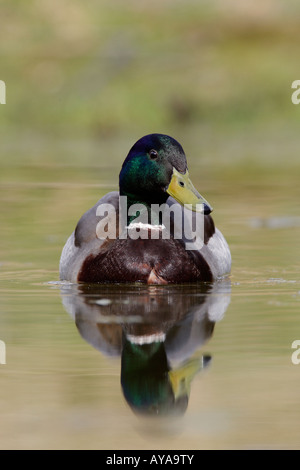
x,y
157,330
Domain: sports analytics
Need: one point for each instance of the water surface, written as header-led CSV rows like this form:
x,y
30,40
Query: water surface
x,y
137,367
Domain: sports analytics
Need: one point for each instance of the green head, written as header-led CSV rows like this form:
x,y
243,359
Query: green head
x,y
156,168
145,380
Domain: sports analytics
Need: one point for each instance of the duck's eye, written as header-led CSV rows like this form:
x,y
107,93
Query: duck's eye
x,y
153,154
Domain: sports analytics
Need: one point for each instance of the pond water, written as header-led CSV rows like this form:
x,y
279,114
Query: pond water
x,y
159,367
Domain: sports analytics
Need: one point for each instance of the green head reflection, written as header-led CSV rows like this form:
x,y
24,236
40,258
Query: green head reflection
x,y
149,385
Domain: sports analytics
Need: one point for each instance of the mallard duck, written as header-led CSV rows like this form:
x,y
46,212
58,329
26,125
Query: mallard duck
x,y
125,236
161,352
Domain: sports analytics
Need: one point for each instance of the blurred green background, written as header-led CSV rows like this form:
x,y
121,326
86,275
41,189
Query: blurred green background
x,y
86,79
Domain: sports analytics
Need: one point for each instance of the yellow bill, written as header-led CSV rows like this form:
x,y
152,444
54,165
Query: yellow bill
x,y
181,378
183,191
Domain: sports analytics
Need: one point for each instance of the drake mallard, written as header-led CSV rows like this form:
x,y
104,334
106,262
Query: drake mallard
x,y
119,243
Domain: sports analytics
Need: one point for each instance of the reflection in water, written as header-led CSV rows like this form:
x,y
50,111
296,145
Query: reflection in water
x,y
157,330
